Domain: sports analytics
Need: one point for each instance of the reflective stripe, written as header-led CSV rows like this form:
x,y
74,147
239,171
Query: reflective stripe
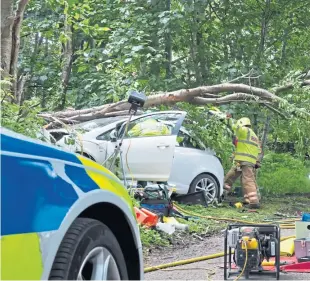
x,y
248,139
252,194
245,154
104,182
249,142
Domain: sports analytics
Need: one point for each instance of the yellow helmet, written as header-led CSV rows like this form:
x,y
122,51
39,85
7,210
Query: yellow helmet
x,y
244,122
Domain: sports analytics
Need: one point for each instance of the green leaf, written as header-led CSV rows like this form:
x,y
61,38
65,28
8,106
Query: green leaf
x,y
128,60
137,48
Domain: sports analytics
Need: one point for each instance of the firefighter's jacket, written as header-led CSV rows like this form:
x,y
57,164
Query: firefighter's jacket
x,y
248,148
150,127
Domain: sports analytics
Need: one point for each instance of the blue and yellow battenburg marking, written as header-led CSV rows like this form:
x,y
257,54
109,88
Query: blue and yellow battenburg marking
x,y
36,195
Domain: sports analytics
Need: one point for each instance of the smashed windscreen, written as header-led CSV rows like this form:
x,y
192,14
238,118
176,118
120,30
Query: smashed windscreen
x,y
94,124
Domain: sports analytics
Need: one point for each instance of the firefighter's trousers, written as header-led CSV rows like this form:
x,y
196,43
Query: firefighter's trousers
x,y
248,182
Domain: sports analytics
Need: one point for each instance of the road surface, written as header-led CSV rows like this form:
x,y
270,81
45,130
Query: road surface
x,y
205,270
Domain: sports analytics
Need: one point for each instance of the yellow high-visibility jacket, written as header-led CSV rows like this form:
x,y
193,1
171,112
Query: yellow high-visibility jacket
x,y
149,127
248,147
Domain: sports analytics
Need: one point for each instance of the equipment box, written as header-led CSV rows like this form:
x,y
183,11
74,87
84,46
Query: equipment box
x,y
302,229
302,247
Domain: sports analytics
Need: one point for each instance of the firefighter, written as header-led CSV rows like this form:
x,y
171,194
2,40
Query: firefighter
x,y
149,127
247,158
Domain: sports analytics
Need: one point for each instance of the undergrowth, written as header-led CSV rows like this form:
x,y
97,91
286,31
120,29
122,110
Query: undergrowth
x,y
282,173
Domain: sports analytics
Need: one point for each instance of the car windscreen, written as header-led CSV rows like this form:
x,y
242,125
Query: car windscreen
x,y
91,125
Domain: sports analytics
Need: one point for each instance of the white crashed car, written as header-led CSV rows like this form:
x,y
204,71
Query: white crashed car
x,y
186,164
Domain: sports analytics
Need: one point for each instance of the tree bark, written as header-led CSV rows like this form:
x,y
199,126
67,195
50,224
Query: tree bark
x,y
226,100
168,44
7,20
264,29
20,88
10,38
243,93
19,14
67,63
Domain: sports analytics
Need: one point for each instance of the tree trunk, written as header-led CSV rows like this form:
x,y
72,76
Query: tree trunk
x,y
156,7
168,44
264,29
10,38
67,63
7,20
243,93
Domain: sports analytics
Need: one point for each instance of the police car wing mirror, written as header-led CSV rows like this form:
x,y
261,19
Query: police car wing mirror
x,y
113,136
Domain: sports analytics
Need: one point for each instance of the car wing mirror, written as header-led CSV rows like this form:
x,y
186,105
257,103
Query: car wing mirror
x,y
113,136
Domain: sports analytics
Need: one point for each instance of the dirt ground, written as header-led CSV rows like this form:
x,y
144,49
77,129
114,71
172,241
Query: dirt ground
x,y
205,270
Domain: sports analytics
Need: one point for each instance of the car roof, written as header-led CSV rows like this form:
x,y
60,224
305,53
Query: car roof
x,y
110,121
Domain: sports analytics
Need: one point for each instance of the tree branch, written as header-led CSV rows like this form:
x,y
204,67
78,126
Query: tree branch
x,y
275,110
225,100
238,93
284,88
305,83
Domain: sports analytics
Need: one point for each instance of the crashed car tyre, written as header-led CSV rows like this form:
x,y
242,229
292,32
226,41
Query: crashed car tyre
x,y
89,251
207,183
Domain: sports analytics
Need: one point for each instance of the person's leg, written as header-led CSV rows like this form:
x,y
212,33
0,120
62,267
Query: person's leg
x,y
249,186
258,192
231,177
245,195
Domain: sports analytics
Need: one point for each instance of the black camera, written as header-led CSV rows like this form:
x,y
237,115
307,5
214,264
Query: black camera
x,y
137,99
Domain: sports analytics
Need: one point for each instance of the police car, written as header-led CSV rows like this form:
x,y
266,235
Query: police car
x,y
63,216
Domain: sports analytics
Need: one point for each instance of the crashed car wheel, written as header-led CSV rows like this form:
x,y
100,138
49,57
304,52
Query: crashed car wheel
x,y
89,251
207,183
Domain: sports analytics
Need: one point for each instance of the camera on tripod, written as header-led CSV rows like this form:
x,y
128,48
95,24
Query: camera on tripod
x,y
136,99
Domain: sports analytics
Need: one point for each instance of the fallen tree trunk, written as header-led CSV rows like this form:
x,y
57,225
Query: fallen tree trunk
x,y
170,98
199,96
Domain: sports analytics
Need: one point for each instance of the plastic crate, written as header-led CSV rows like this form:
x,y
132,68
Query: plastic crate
x,y
302,248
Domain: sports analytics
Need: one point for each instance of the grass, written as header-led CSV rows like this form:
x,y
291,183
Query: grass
x,y
282,173
206,227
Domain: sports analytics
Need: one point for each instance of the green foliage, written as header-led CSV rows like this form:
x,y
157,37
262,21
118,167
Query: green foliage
x,y
213,132
282,173
21,119
156,47
151,237
298,134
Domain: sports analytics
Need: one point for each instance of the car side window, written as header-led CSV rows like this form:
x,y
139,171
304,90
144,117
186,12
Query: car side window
x,y
152,125
105,136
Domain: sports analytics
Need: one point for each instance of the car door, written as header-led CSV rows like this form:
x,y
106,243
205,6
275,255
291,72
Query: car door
x,y
149,158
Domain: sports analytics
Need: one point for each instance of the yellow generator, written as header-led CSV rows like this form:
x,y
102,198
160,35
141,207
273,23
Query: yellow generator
x,y
247,246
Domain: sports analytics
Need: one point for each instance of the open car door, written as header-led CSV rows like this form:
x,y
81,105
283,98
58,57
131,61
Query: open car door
x,y
149,158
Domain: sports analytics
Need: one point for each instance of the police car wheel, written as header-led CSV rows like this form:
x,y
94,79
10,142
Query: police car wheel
x,y
89,251
206,183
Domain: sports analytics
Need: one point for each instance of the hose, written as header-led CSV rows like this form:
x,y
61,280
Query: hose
x,y
283,226
245,262
197,259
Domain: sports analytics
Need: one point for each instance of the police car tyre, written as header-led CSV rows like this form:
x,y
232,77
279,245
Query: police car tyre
x,y
82,239
205,182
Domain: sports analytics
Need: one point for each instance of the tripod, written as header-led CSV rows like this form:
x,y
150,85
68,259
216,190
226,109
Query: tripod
x,y
117,150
